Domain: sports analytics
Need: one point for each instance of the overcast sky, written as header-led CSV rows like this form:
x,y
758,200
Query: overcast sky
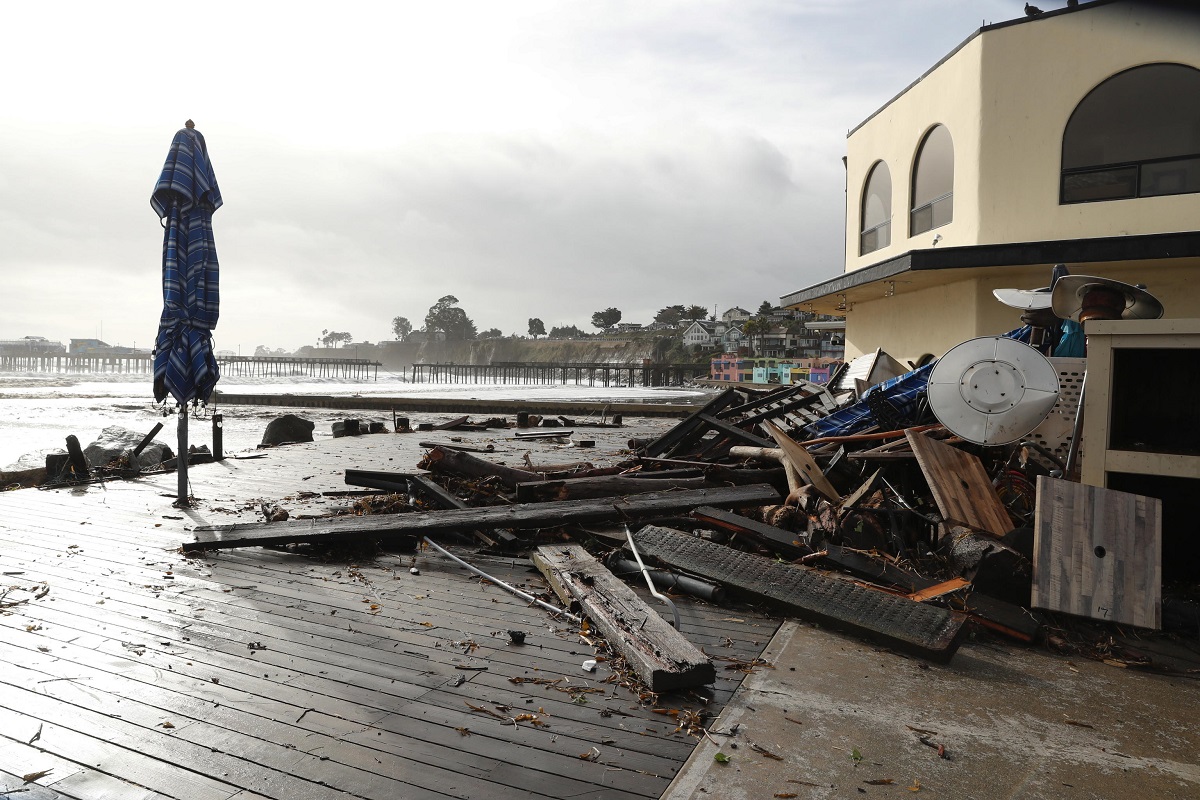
x,y
534,159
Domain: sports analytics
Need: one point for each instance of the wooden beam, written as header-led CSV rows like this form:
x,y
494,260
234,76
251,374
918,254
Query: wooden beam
x,y
517,517
658,653
601,486
785,543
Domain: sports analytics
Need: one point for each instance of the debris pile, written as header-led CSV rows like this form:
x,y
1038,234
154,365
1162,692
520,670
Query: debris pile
x,y
848,505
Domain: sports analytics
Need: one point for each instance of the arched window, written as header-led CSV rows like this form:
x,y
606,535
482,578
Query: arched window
x,y
1137,134
876,230
933,182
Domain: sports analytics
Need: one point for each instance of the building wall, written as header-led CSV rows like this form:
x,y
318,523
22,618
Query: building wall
x,y
950,96
1034,75
933,320
1006,97
911,324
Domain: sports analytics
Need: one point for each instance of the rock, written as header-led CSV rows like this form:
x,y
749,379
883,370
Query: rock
x,y
115,440
288,428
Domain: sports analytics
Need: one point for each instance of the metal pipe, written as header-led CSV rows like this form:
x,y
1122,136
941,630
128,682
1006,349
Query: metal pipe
x,y
646,574
512,589
666,580
1076,432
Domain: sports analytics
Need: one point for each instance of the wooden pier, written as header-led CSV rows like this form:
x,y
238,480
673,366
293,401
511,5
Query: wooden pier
x,y
143,363
529,373
131,672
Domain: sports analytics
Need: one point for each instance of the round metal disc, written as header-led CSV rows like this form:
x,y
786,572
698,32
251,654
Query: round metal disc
x,y
992,390
1024,299
1069,292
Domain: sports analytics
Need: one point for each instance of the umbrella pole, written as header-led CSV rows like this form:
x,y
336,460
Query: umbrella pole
x,y
181,463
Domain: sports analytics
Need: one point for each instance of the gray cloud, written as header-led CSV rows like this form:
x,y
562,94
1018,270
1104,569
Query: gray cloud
x,y
531,158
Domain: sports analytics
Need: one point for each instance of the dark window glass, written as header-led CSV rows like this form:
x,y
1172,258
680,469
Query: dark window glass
x,y
1137,134
933,182
876,210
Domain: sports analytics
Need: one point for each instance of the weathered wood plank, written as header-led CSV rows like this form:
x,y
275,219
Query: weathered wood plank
x,y
601,486
960,486
784,542
924,630
1098,553
803,462
538,515
659,654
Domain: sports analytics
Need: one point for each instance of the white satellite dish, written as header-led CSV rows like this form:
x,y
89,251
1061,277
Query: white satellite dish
x,y
992,390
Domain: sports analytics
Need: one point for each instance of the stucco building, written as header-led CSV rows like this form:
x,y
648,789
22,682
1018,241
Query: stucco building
x,y
1070,137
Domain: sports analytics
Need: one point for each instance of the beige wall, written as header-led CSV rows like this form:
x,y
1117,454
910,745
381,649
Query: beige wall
x,y
936,318
949,96
1006,97
1034,77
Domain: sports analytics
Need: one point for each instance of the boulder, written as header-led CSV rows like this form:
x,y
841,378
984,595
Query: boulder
x,y
288,428
115,440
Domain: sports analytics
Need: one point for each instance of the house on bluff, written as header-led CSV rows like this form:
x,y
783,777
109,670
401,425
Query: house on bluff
x,y
1070,137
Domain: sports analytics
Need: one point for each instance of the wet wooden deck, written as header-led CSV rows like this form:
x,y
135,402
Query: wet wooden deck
x,y
257,673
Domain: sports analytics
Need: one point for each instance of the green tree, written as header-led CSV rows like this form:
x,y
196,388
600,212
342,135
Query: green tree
x,y
754,329
401,327
446,317
536,327
606,319
695,312
670,315
567,332
332,338
492,333
766,308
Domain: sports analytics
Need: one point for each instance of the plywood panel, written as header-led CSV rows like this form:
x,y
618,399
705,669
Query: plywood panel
x,y
960,486
1098,553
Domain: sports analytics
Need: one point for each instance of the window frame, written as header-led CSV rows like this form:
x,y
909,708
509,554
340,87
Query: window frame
x,y
884,227
1135,168
931,205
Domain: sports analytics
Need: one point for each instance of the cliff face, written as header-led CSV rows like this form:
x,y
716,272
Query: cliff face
x,y
488,351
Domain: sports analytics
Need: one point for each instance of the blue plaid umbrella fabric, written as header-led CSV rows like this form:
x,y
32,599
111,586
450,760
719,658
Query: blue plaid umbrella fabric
x,y
184,199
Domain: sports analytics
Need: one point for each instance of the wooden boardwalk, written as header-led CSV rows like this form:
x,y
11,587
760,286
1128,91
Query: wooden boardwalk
x,y
131,671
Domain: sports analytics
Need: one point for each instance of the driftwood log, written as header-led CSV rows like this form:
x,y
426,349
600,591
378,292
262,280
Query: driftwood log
x,y
465,465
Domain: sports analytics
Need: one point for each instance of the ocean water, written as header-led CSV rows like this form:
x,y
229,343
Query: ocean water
x,y
38,411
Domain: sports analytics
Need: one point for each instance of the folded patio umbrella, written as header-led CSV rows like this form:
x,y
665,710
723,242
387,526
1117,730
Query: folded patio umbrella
x,y
184,199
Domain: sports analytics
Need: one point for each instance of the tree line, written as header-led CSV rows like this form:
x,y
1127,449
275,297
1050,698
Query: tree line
x,y
450,321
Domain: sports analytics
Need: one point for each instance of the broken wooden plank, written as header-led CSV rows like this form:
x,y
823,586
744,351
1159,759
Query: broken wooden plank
x,y
658,653
963,492
802,461
691,428
1098,553
516,517
785,543
466,448
600,486
939,589
927,631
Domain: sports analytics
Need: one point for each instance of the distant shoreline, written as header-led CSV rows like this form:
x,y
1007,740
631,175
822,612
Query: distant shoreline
x,y
451,405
